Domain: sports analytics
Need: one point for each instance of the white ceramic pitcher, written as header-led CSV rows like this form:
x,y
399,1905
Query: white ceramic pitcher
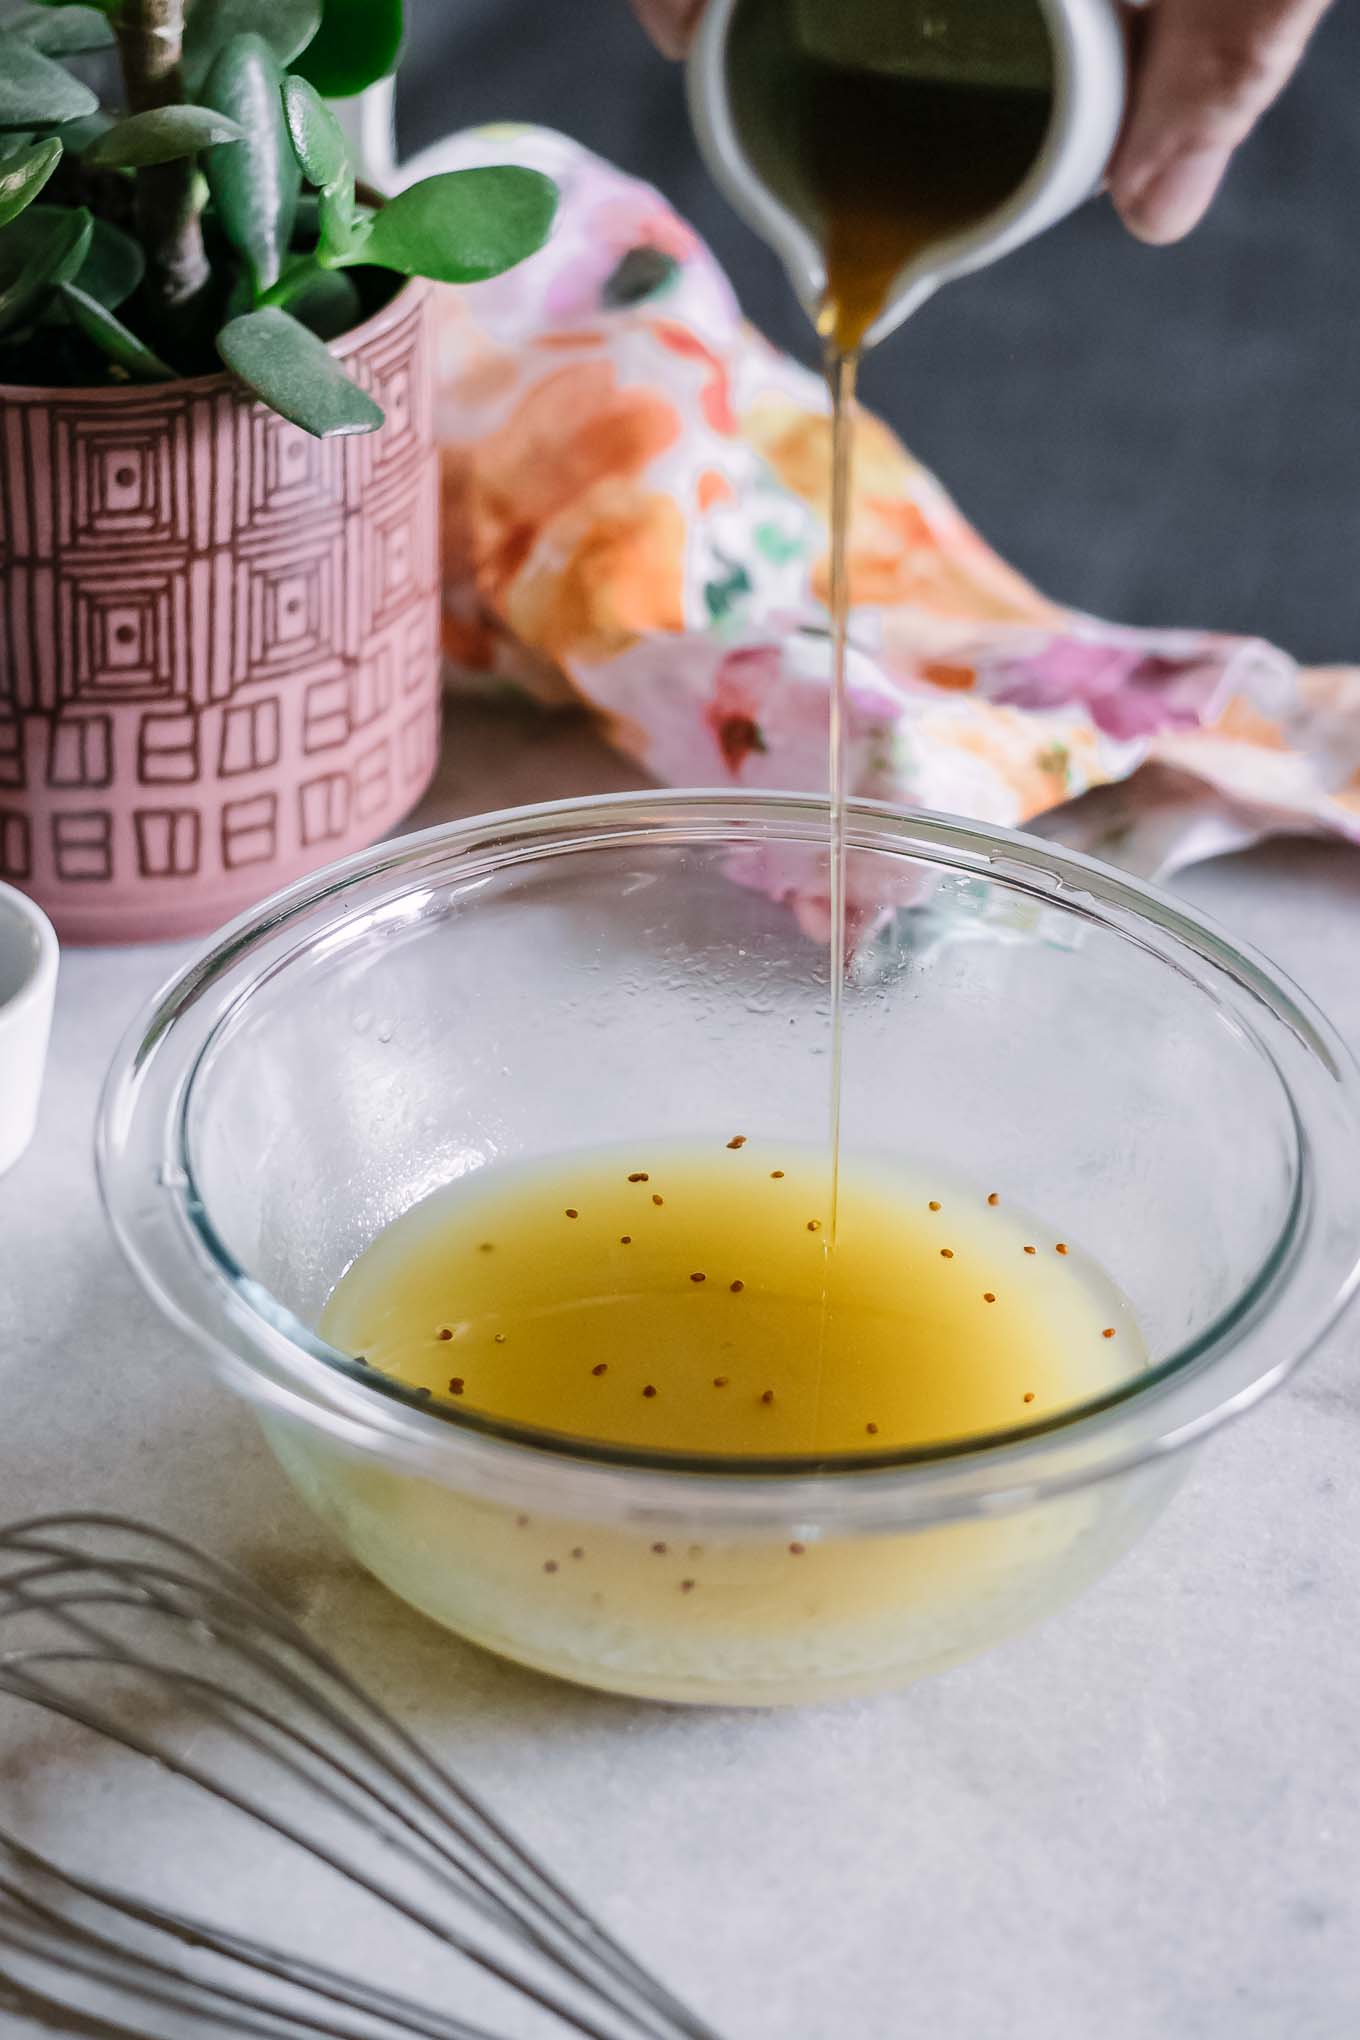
x,y
1089,88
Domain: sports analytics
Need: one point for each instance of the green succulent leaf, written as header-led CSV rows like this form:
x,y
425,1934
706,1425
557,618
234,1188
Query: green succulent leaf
x,y
40,250
112,337
35,92
327,302
317,136
286,25
240,298
254,182
76,135
322,150
307,220
359,41
338,221
67,31
22,177
163,134
290,370
113,263
463,225
113,266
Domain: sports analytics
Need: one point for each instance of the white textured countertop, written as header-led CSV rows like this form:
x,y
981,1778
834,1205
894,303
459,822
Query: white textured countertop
x,y
1142,1821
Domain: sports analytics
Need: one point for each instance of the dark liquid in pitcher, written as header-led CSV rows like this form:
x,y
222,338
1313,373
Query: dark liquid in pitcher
x,y
888,125
900,166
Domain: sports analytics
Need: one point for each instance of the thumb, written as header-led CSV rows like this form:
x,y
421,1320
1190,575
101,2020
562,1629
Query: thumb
x,y
670,23
1208,71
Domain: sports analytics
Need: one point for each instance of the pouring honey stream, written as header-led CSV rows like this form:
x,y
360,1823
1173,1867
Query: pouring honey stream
x,y
890,126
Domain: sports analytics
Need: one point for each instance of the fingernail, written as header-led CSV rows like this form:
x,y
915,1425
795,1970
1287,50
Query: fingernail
x,y
1175,198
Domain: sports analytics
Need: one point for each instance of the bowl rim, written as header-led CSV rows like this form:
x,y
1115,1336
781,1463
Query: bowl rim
x,y
281,1365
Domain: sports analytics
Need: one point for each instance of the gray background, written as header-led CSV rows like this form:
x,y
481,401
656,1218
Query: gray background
x,y
1161,436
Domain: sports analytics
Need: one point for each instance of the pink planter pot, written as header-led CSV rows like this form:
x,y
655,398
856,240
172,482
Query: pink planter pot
x,y
218,638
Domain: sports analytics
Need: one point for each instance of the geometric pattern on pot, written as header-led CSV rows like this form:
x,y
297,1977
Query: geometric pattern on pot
x,y
218,636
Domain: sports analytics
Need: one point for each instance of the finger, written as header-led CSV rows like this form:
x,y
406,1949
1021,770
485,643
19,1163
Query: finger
x,y
670,23
1208,71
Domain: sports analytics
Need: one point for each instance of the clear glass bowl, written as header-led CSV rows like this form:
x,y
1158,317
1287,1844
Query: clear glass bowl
x,y
625,968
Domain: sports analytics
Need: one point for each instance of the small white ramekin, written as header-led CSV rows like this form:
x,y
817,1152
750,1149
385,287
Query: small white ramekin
x,y
28,983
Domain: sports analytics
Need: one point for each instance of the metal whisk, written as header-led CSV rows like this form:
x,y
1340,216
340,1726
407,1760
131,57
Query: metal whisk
x,y
179,1659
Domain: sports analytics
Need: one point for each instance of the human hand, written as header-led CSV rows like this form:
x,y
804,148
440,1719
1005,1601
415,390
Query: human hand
x,y
670,23
1204,73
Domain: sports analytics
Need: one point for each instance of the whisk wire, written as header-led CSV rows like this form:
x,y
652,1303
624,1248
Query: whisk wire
x,y
18,1679
350,1993
327,1737
236,1592
532,1887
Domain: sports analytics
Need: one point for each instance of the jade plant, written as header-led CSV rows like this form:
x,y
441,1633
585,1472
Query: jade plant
x,y
211,214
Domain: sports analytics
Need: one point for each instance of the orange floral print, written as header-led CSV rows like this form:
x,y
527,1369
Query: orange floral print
x,y
609,572
568,433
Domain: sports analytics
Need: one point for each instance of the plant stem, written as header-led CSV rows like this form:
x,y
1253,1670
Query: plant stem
x,y
150,42
291,284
